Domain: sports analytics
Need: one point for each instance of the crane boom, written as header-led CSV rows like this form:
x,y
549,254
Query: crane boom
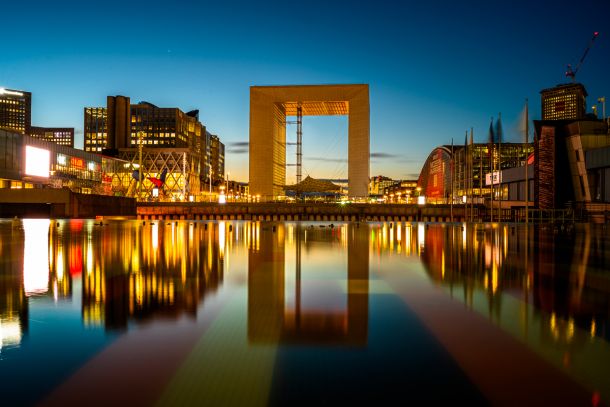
x,y
572,73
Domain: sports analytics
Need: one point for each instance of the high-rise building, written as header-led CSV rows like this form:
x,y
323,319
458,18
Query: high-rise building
x,y
172,141
118,126
217,158
64,136
15,110
96,131
16,115
564,102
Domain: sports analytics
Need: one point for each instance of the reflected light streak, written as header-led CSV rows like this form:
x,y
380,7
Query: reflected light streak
x,y
570,333
421,236
36,256
221,238
464,235
494,278
155,237
60,263
89,256
408,232
10,333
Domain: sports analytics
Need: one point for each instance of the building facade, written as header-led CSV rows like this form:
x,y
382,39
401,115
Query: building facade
x,y
64,136
28,162
217,159
564,102
471,173
15,110
563,172
172,148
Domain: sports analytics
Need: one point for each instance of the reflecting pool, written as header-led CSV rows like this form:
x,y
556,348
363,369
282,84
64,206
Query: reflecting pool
x,y
274,313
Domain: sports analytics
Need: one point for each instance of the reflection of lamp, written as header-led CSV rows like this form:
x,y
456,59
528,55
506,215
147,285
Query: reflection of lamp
x,y
222,198
155,192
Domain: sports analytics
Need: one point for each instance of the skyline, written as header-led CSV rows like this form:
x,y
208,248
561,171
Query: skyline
x,y
432,75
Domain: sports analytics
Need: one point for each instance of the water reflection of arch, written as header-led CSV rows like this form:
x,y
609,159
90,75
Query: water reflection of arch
x,y
269,319
435,176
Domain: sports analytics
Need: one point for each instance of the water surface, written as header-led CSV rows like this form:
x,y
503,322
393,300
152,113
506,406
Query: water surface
x,y
262,313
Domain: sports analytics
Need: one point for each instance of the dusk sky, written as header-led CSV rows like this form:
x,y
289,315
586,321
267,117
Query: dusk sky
x,y
434,69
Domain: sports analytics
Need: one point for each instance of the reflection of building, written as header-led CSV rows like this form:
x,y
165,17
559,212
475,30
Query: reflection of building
x,y
14,308
149,272
270,317
173,141
560,274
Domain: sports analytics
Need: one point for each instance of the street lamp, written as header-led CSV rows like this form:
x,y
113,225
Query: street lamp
x,y
141,135
210,177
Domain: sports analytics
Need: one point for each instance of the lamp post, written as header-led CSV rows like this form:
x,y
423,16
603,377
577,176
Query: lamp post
x,y
210,178
140,168
602,100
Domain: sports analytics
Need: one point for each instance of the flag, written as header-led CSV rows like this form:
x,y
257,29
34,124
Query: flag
x,y
491,137
159,181
499,131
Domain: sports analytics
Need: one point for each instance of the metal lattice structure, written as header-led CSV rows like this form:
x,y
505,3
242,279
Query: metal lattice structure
x,y
182,180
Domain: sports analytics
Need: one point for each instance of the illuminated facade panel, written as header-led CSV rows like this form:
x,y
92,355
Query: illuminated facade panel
x,y
269,106
63,136
28,162
564,102
15,110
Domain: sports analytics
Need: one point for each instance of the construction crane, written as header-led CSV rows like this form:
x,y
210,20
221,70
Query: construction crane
x,y
572,73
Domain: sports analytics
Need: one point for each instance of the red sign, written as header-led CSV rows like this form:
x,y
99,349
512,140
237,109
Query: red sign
x,y
77,162
560,106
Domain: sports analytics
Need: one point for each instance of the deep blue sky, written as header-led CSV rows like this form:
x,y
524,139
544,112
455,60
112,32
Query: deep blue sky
x,y
434,68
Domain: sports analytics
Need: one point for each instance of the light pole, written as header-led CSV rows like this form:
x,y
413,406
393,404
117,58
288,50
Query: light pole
x,y
140,168
602,100
210,177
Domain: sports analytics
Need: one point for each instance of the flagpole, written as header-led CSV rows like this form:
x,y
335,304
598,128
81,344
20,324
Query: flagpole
x,y
499,124
481,181
452,179
491,168
527,187
471,176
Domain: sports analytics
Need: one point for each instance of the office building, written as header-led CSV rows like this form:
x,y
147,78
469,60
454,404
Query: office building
x,y
28,162
173,142
15,110
217,159
16,116
474,166
64,136
564,102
